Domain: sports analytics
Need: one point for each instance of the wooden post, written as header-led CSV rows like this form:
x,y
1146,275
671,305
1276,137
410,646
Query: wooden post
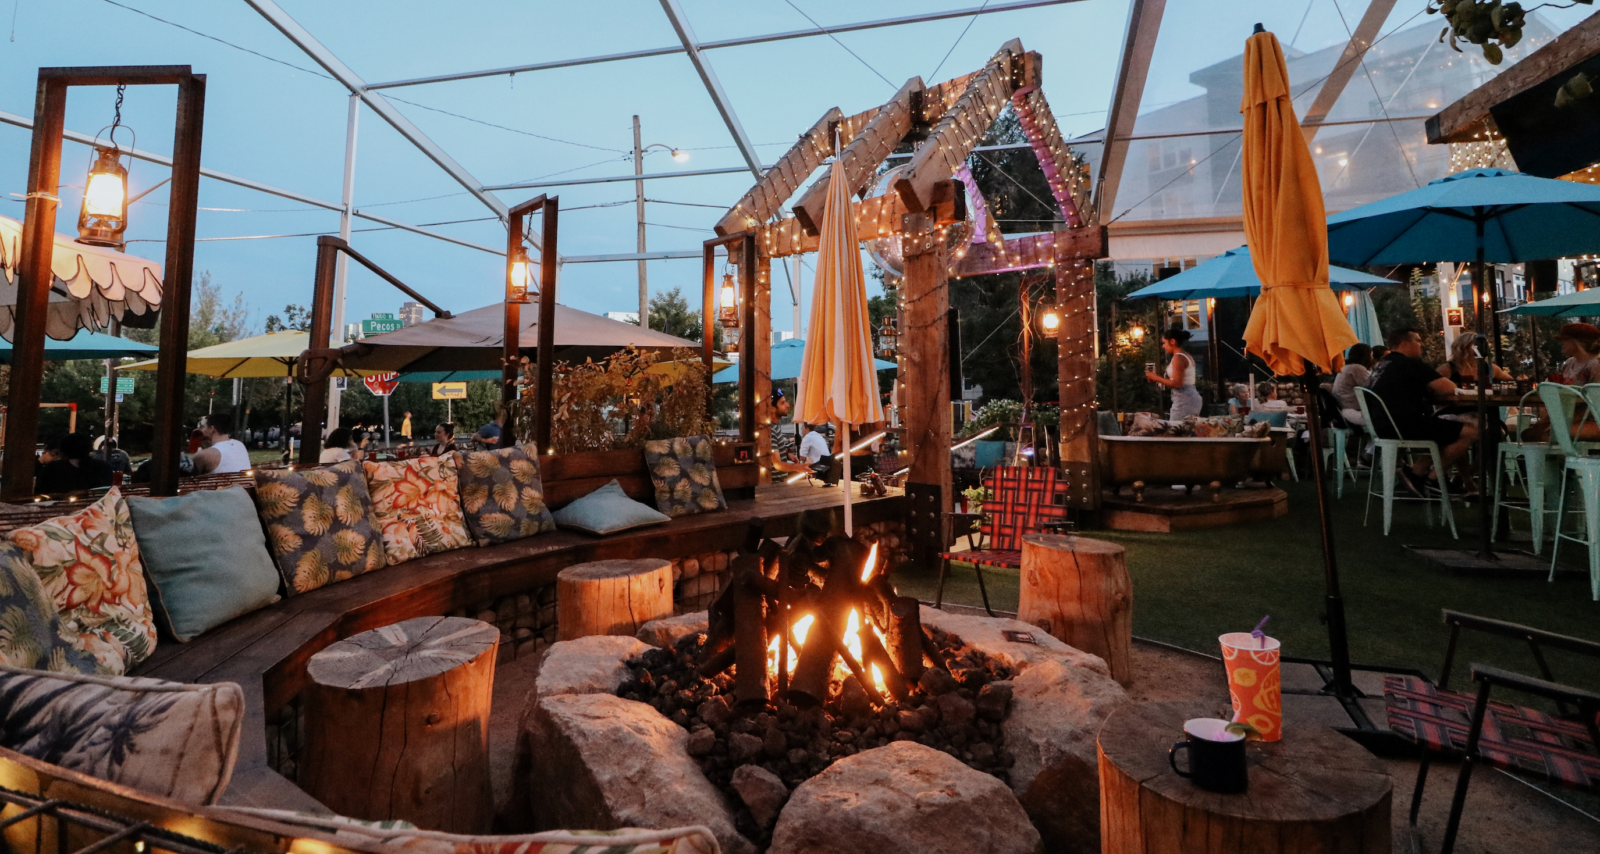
x,y
314,406
397,724
1075,361
761,361
748,345
511,329
612,597
1077,590
544,390
183,201
708,304
925,400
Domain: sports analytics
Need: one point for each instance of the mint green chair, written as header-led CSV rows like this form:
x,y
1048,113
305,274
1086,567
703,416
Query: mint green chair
x,y
1532,465
1386,459
1561,403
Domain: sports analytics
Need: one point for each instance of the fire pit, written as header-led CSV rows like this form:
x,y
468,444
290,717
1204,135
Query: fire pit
x,y
859,671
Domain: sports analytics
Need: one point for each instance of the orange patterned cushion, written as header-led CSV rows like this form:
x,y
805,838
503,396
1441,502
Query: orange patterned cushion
x,y
418,506
89,564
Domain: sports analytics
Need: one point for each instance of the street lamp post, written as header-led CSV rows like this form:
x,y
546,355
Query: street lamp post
x,y
639,149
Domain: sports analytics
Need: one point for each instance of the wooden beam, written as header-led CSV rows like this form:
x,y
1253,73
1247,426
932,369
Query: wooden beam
x,y
938,99
1028,253
1067,175
760,356
314,402
1075,365
925,349
1354,51
1139,41
779,183
878,216
1460,121
961,128
544,390
862,156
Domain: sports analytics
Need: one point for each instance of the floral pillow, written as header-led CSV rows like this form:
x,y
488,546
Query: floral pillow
x,y
320,524
418,506
685,475
89,564
502,495
31,634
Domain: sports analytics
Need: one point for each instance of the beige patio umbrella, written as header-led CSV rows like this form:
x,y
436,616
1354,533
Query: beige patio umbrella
x,y
838,381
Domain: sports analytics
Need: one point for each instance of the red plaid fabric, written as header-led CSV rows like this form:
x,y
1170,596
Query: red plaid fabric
x,y
1514,738
989,557
1025,498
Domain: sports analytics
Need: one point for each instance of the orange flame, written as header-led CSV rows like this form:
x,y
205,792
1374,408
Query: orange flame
x,y
872,563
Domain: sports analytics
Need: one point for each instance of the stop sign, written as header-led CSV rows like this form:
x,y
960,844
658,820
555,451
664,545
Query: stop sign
x,y
382,385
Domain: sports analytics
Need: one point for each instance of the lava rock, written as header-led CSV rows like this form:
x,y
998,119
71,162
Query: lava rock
x,y
994,700
853,699
599,761
761,791
666,632
743,747
775,744
955,710
936,681
701,741
591,665
799,756
903,799
716,711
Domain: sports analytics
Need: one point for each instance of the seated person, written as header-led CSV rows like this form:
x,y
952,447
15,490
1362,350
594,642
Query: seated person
x,y
1406,385
113,456
814,451
785,455
1580,342
1356,373
1267,407
489,434
444,439
339,447
72,469
1239,402
222,454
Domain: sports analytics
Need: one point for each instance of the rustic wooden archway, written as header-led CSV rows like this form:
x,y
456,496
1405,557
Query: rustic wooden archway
x,y
945,122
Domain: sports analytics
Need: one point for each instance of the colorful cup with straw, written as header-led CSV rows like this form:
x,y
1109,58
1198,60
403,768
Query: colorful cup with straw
x,y
1254,684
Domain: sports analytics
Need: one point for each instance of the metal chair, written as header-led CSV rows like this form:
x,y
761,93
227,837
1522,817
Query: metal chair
x,y
1337,445
1529,463
1560,748
1562,403
1386,461
1025,500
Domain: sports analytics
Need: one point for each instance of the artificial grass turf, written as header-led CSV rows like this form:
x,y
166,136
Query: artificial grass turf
x,y
1191,586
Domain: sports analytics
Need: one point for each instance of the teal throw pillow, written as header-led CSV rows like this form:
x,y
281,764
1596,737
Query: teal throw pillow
x,y
205,557
31,634
608,510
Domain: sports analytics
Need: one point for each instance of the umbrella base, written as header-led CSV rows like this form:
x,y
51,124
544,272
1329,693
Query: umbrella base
x,y
1507,563
1309,699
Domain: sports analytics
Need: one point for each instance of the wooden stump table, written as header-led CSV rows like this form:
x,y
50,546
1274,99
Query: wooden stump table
x,y
1314,792
1077,590
397,724
612,597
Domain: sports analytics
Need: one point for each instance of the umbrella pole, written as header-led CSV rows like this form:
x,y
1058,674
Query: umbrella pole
x,y
849,529
1488,450
1338,636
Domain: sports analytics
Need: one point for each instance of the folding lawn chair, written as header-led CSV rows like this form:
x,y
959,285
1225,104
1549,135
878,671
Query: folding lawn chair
x,y
1559,749
1025,499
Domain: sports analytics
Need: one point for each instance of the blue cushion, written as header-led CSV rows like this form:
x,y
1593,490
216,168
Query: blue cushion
x,y
608,510
205,557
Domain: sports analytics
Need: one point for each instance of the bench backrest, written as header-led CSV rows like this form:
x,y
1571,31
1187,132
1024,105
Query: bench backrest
x,y
1025,498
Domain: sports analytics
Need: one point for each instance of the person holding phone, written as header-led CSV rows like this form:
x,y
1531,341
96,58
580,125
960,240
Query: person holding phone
x,y
1186,400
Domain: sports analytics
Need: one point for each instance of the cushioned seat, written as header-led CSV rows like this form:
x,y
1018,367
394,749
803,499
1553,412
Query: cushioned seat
x,y
1024,500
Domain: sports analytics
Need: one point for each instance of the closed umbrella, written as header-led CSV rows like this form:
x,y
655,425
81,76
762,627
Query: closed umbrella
x,y
1297,323
1363,318
838,383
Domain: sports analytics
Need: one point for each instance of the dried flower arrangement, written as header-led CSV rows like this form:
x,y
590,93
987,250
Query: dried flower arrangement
x,y
621,402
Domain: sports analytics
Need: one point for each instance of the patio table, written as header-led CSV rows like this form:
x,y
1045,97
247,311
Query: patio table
x,y
1313,791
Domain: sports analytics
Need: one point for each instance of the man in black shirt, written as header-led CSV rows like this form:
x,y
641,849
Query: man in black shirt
x,y
1406,385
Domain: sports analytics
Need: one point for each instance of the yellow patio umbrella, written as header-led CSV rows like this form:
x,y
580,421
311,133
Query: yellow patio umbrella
x,y
270,355
838,381
1297,317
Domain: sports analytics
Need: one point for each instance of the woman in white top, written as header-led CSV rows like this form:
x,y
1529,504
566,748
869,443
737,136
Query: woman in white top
x,y
1356,373
1186,400
338,447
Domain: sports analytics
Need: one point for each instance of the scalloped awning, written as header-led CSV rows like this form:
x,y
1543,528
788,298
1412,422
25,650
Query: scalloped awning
x,y
92,285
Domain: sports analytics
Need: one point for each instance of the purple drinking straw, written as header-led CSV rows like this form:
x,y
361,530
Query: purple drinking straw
x,y
1260,635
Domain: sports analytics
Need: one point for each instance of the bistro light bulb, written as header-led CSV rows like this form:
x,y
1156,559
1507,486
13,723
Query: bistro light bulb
x,y
680,155
1349,300
104,217
1051,321
1137,332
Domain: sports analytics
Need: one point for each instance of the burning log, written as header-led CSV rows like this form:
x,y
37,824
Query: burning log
x,y
905,636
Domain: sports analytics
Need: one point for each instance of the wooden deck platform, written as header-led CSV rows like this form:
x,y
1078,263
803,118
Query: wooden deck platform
x,y
266,651
1166,510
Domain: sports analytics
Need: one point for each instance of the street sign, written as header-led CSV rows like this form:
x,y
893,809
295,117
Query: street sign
x,y
382,315
124,385
449,391
119,397
382,385
378,326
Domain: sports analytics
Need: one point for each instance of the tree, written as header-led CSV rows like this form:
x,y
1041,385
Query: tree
x,y
295,318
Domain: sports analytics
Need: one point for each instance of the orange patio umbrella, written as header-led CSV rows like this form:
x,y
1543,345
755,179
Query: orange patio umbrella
x,y
1297,320
838,381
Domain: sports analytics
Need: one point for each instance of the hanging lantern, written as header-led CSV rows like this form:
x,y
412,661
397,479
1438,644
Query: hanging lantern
x,y
728,303
517,278
1050,321
104,217
1136,332
1349,300
888,339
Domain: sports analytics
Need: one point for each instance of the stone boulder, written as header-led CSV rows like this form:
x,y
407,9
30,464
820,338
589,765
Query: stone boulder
x,y
597,761
903,798
1059,699
666,632
591,665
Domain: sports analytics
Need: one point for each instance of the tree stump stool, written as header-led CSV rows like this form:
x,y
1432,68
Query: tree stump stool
x,y
1077,590
612,597
397,724
1314,792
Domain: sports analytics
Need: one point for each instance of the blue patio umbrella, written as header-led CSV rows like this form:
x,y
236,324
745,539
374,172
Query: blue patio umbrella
x,y
1231,274
1363,317
1579,304
786,360
86,345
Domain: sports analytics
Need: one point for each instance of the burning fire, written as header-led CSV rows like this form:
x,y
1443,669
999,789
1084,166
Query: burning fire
x,y
852,636
872,563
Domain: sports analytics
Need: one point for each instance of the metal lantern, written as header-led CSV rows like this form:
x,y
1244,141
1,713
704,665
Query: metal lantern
x,y
517,278
1050,321
728,303
104,216
1136,332
888,339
